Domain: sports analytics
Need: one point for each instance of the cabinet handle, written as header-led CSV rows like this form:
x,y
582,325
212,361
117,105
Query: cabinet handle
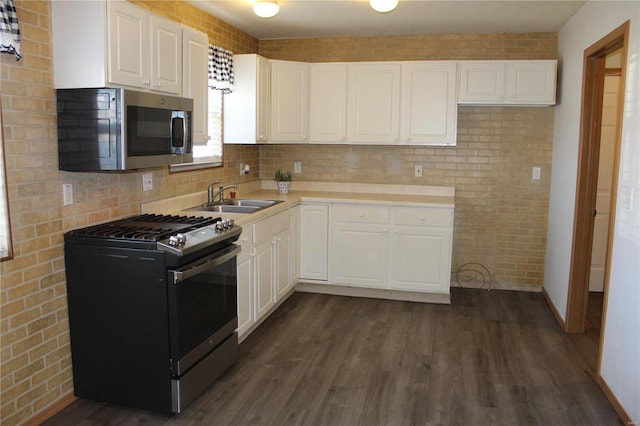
x,y
145,82
158,85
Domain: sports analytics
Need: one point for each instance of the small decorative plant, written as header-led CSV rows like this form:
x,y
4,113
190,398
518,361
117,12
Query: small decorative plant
x,y
283,180
282,176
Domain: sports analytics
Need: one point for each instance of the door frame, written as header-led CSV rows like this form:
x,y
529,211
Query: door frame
x,y
587,178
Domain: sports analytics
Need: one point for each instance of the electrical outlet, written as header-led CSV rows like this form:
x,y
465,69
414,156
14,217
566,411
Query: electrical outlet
x,y
67,194
241,169
297,167
417,170
147,181
535,174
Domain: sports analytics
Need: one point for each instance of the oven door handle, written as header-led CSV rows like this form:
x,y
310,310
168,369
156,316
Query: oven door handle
x,y
217,259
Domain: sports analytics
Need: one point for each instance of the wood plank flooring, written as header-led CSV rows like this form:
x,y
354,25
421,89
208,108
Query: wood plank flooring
x,y
489,358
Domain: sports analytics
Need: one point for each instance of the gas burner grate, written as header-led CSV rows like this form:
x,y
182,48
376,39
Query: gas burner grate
x,y
146,227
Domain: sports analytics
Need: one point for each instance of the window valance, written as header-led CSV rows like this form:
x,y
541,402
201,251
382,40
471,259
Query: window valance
x,y
9,31
220,69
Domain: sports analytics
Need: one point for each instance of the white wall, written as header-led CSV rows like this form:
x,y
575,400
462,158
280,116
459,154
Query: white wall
x,y
621,334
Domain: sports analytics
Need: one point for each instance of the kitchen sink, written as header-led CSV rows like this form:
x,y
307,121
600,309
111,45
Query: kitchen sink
x,y
235,206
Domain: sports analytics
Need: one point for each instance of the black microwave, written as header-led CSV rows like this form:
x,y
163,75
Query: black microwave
x,y
111,129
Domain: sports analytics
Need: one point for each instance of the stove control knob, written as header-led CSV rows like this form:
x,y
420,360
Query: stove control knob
x,y
173,241
219,226
230,222
182,239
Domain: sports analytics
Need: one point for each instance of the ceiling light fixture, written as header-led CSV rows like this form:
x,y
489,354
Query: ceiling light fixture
x,y
266,8
383,5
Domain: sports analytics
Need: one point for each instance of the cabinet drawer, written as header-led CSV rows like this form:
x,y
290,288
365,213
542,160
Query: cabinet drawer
x,y
420,216
360,214
267,228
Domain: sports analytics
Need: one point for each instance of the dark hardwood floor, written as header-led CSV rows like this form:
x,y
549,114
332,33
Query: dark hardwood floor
x,y
489,358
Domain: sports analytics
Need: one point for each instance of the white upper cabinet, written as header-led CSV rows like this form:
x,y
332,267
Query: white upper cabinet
x,y
373,98
289,101
531,82
507,82
114,43
429,111
328,103
166,55
246,109
195,51
128,42
481,82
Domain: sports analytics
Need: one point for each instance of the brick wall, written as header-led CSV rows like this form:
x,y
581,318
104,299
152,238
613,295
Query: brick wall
x,y
35,357
501,214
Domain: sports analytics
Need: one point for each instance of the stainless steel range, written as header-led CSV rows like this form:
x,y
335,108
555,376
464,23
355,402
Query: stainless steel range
x,y
152,308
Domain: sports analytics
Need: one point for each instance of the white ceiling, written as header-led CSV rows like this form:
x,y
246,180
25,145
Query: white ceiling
x,y
327,18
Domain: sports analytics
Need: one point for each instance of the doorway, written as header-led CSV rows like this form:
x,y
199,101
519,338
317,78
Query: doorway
x,y
587,181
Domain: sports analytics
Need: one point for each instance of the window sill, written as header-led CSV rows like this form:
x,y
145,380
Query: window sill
x,y
176,168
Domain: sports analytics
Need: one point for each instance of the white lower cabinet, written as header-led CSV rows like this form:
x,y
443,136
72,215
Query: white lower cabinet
x,y
394,248
283,245
264,278
295,245
314,241
360,254
246,316
265,272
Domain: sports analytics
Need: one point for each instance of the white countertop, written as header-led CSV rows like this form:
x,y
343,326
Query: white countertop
x,y
321,192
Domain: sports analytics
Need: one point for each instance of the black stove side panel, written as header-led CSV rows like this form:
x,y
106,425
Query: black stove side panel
x,y
118,321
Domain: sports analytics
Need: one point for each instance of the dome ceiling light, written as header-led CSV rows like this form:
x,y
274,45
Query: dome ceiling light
x,y
266,8
383,5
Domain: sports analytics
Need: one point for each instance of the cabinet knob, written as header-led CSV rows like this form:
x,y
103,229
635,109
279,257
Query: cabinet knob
x,y
145,82
158,85
360,214
422,218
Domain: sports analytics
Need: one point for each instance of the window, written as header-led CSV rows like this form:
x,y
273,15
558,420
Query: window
x,y
211,151
208,152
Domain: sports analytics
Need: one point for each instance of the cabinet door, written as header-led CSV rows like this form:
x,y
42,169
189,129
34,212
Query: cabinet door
x,y
360,254
373,100
314,239
166,55
195,49
263,98
421,259
264,278
531,82
289,101
282,271
128,42
295,245
429,103
245,292
481,82
328,103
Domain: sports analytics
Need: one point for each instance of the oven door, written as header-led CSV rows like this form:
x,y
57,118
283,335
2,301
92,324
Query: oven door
x,y
202,307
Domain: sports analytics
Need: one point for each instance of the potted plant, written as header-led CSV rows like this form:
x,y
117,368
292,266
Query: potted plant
x,y
283,180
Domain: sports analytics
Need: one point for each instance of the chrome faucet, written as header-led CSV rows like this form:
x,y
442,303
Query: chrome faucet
x,y
211,195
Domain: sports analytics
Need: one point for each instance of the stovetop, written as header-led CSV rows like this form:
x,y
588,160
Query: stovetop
x,y
177,235
147,227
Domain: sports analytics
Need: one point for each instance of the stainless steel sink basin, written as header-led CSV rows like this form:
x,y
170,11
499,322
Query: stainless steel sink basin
x,y
235,206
